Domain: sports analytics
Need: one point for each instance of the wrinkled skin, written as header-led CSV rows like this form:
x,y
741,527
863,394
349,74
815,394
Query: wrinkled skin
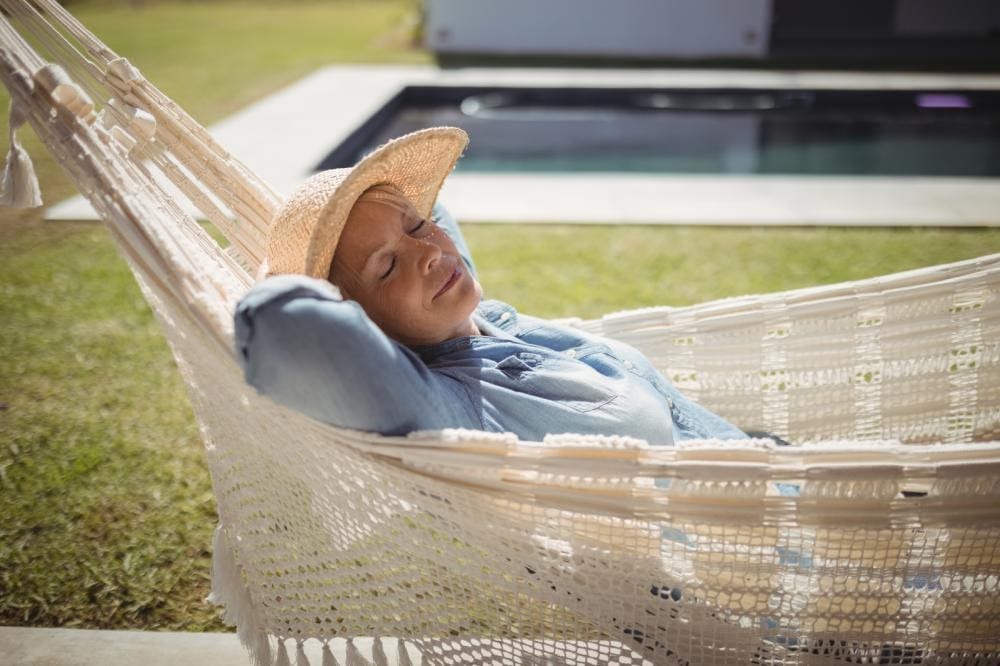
x,y
394,264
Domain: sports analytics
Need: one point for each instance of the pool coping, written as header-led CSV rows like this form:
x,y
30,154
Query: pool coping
x,y
283,136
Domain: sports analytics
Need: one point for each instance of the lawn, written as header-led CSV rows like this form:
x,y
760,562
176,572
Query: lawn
x,y
106,509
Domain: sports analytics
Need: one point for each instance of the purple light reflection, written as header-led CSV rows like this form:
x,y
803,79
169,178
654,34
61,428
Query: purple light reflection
x,y
943,101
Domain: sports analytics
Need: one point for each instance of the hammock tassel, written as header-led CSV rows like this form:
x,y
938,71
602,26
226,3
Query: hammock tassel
x,y
328,658
229,592
354,656
402,654
282,655
300,655
379,657
20,184
260,652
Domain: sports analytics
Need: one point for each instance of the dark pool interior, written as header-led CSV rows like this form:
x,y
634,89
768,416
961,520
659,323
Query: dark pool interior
x,y
721,131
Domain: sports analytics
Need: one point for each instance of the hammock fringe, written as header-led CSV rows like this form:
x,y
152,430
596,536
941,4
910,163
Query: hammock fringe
x,y
379,657
300,654
402,654
282,659
354,656
230,592
328,658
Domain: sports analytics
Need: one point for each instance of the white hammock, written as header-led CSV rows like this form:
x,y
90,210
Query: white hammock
x,y
478,548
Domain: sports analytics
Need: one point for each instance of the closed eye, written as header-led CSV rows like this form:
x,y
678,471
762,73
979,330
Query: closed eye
x,y
392,265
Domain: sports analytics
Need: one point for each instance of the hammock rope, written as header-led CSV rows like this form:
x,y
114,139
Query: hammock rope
x,y
478,547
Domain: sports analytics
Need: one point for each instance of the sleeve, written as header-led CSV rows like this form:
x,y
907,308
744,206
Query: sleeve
x,y
304,347
444,219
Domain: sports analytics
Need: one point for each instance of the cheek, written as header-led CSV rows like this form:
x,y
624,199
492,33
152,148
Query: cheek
x,y
347,282
443,241
394,304
380,305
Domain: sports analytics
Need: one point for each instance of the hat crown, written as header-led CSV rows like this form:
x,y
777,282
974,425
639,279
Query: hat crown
x,y
304,234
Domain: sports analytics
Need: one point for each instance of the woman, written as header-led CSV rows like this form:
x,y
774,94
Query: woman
x,y
407,343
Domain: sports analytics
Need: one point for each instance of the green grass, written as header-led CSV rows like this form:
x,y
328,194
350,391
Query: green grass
x,y
106,509
588,271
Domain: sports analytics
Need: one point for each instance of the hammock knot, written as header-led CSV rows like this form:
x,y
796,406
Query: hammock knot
x,y
123,70
65,92
128,124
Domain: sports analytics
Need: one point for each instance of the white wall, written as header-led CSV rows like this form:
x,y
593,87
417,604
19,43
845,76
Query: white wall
x,y
630,28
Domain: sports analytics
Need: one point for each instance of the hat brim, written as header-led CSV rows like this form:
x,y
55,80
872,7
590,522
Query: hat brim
x,y
417,164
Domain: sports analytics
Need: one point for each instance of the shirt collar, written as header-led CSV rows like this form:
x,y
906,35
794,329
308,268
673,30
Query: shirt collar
x,y
500,314
494,318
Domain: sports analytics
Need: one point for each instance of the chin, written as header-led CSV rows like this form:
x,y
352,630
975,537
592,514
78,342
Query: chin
x,y
475,295
477,289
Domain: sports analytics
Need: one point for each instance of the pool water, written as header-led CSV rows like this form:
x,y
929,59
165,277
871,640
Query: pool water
x,y
794,132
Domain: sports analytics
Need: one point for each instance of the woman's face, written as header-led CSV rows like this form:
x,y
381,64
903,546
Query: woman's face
x,y
406,274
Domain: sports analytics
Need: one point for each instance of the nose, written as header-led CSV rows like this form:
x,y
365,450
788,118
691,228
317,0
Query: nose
x,y
428,255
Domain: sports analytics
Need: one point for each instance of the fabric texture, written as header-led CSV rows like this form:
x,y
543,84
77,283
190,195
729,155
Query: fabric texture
x,y
477,547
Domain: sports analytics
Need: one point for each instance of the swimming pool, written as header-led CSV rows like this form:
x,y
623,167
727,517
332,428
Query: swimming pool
x,y
822,132
339,109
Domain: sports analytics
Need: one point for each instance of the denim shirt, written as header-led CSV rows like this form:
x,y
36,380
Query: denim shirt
x,y
303,346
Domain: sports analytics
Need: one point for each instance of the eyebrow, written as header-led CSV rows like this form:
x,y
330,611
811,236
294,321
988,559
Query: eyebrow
x,y
380,250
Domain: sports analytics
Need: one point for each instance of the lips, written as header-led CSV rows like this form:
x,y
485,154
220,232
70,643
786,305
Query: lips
x,y
450,282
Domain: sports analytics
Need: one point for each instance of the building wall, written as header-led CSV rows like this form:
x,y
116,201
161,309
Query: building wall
x,y
612,28
938,33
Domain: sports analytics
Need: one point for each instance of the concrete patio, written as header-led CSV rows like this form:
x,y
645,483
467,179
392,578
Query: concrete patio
x,y
86,647
21,646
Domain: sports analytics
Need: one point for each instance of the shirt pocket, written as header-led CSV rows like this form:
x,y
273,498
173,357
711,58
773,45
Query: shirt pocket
x,y
564,382
519,366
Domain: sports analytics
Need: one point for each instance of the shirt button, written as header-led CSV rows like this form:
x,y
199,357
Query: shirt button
x,y
628,364
670,403
571,353
505,316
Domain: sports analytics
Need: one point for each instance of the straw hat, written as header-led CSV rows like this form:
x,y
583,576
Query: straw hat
x,y
304,234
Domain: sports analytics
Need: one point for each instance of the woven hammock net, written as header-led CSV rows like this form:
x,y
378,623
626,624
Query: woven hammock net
x,y
468,547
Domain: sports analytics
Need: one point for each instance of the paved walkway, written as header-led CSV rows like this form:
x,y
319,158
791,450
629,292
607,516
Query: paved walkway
x,y
284,136
85,647
21,646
